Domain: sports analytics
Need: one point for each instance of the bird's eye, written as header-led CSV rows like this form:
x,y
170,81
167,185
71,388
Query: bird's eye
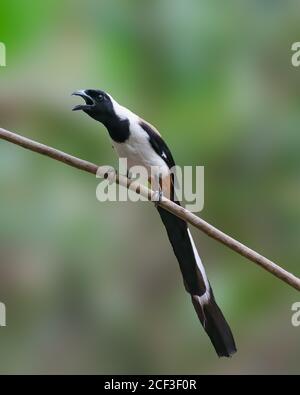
x,y
100,97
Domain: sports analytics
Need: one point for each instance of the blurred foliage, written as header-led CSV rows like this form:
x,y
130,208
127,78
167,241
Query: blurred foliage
x,y
85,290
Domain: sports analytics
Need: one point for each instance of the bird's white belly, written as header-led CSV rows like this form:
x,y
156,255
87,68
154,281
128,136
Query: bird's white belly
x,y
139,152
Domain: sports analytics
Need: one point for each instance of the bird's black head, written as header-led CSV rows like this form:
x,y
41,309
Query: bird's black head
x,y
98,104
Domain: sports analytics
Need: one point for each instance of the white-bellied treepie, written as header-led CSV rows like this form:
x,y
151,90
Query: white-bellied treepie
x,y
141,144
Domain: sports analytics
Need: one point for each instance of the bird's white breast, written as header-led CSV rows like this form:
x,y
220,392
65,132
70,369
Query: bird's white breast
x,y
138,150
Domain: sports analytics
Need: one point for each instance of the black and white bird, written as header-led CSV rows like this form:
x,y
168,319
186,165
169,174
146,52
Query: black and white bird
x,y
142,145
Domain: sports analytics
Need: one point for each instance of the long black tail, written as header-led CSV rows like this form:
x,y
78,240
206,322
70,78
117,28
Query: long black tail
x,y
197,284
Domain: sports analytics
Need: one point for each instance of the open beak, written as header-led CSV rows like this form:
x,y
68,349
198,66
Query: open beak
x,y
89,101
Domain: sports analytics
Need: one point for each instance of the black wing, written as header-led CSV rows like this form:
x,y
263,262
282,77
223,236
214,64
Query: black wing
x,y
158,144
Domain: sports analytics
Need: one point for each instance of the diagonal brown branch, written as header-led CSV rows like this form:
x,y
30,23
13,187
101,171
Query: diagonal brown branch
x,y
180,212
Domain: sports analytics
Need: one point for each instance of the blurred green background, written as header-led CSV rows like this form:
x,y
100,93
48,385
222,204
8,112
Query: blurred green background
x,y
85,290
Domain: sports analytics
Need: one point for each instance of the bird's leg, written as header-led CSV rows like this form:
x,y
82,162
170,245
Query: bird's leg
x,y
158,196
156,185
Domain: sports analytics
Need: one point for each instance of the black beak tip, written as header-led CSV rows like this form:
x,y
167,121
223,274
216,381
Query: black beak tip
x,y
81,93
76,108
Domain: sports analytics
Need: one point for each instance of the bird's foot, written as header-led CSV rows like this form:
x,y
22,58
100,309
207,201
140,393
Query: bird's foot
x,y
157,198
